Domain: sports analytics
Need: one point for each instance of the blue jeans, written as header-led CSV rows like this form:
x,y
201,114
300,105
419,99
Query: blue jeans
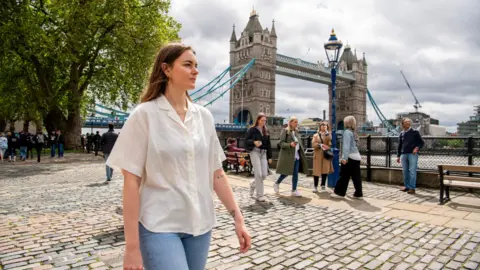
x,y
52,150
60,150
23,152
409,166
173,251
108,170
296,166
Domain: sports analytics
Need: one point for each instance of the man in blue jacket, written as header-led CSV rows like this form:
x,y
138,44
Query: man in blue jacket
x,y
410,142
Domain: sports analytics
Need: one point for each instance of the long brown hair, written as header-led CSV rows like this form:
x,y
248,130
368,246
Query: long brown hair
x,y
264,129
157,83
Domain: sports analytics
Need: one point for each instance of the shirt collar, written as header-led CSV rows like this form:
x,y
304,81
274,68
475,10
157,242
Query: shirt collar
x,y
165,105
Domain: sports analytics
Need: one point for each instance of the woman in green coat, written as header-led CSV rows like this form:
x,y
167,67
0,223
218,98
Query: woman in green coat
x,y
291,159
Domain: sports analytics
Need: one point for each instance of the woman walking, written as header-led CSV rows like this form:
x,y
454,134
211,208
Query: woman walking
x,y
171,159
291,159
322,161
258,144
350,162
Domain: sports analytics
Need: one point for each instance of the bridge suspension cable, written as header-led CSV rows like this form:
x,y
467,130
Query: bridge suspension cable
x,y
236,77
391,130
216,80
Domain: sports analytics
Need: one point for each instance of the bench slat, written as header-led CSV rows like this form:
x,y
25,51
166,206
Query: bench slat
x,y
460,168
461,178
461,184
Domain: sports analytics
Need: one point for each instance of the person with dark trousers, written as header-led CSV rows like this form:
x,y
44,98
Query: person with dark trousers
x,y
60,143
107,142
410,142
13,145
322,166
52,141
89,142
96,141
31,145
23,143
257,142
39,140
350,162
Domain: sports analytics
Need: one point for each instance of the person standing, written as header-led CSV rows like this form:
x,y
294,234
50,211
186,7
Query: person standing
x,y
3,145
96,141
12,146
350,162
52,140
108,141
39,143
322,165
171,159
60,143
410,142
291,159
23,142
257,142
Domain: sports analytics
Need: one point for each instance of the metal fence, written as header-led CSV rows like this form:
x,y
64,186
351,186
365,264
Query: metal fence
x,y
379,151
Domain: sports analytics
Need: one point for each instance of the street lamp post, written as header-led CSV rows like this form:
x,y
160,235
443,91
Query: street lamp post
x,y
332,50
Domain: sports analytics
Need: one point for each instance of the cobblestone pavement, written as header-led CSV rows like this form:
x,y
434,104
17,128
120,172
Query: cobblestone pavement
x,y
67,218
382,191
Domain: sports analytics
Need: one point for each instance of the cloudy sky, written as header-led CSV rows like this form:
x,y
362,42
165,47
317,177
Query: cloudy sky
x,y
435,42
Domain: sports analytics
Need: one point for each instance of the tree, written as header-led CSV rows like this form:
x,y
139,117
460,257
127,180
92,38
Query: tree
x,y
81,50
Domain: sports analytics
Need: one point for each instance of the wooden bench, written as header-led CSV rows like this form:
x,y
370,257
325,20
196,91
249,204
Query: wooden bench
x,y
239,162
467,176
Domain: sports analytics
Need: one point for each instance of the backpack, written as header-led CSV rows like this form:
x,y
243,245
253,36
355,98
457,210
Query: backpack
x,y
40,138
278,144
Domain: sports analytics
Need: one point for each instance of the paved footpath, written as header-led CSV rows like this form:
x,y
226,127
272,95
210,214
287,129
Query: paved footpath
x,y
60,215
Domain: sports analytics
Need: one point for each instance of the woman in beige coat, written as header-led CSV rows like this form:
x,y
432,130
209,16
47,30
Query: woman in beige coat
x,y
321,141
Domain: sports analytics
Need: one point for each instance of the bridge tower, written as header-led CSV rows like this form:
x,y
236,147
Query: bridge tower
x,y
351,97
258,94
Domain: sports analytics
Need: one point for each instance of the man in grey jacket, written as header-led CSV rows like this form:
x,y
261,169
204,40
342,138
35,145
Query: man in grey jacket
x,y
107,142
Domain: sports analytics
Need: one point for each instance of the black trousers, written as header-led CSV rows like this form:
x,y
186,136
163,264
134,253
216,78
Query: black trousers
x,y
351,169
39,147
316,178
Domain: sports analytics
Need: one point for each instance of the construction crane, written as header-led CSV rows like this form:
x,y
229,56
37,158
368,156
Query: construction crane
x,y
417,104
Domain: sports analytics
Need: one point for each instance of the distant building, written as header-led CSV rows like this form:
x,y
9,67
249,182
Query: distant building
x,y
472,126
422,122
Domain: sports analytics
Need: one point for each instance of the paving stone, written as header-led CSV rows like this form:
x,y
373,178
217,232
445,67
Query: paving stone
x,y
373,264
471,265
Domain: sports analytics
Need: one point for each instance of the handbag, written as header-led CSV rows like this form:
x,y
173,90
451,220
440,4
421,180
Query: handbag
x,y
327,154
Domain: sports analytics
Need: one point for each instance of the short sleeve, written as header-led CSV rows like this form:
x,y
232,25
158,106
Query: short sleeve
x,y
217,152
130,149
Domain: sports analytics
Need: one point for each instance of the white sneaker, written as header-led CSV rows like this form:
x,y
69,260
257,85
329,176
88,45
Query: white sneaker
x,y
315,190
296,194
261,199
252,190
276,187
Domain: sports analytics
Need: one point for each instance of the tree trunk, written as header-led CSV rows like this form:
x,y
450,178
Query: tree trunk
x,y
26,125
55,120
3,125
74,130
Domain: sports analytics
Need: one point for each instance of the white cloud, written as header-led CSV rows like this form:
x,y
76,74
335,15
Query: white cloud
x,y
428,40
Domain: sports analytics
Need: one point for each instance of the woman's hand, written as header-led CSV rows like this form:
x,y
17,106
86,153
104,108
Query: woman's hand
x,y
269,161
293,144
325,147
343,161
258,143
244,238
132,259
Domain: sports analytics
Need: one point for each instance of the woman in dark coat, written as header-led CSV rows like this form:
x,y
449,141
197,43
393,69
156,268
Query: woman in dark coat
x,y
291,159
258,144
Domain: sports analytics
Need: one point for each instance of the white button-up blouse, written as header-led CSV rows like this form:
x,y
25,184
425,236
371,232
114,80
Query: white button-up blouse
x,y
176,161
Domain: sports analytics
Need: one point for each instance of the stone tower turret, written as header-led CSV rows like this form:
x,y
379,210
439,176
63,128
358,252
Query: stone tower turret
x,y
255,93
351,97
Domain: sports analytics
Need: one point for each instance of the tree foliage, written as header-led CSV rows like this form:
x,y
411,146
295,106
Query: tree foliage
x,y
66,53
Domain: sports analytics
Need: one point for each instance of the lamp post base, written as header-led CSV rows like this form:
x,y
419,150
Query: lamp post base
x,y
333,177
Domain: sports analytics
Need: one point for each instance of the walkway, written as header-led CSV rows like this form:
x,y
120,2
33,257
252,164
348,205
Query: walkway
x,y
66,218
